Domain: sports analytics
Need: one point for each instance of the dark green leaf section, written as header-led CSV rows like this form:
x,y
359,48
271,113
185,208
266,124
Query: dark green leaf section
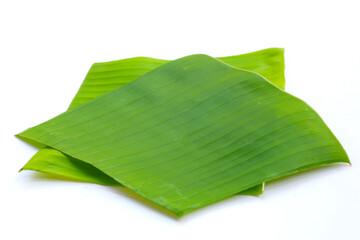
x,y
105,77
192,132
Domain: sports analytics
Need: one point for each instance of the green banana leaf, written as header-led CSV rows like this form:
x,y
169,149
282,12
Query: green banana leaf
x,y
105,77
192,132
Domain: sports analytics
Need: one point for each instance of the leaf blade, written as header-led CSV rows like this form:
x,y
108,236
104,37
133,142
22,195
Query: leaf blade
x,y
105,77
251,128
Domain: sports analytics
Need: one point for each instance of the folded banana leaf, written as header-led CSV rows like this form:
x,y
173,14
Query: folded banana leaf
x,y
192,132
105,77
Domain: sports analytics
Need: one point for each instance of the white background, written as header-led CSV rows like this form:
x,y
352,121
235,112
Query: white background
x,y
47,47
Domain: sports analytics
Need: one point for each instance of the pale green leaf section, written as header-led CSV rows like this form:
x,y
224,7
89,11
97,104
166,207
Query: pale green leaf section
x,y
192,132
105,77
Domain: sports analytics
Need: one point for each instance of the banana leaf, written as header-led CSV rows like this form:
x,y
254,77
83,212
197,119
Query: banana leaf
x,y
105,77
192,132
